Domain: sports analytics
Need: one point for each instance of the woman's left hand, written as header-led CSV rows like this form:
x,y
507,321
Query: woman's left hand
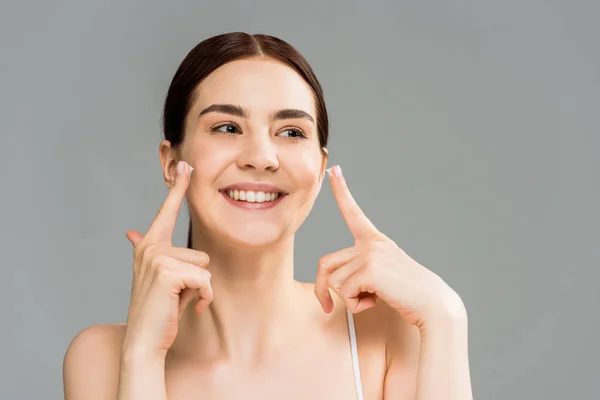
x,y
375,267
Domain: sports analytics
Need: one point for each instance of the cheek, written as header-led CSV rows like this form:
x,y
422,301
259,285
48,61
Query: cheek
x,y
208,156
304,170
208,160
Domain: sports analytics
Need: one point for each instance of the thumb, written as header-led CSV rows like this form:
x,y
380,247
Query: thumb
x,y
134,237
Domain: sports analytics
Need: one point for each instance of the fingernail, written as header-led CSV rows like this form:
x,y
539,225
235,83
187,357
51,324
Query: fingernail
x,y
336,171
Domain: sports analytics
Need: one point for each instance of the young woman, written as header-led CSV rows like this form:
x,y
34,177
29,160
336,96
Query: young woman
x,y
245,144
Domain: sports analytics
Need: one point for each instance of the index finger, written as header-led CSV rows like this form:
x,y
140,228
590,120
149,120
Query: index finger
x,y
360,226
163,225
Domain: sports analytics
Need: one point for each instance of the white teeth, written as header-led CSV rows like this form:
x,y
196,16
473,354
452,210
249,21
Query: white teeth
x,y
252,197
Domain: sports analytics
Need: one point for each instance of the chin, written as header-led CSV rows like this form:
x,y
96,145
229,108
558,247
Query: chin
x,y
254,236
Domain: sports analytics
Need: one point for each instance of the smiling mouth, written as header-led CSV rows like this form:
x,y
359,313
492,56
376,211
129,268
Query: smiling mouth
x,y
250,196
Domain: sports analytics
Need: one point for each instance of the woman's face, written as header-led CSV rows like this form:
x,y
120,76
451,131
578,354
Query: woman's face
x,y
251,134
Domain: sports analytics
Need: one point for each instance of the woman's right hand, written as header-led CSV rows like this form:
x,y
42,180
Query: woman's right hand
x,y
165,278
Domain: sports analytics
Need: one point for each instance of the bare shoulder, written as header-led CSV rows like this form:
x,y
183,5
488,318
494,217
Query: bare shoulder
x,y
91,362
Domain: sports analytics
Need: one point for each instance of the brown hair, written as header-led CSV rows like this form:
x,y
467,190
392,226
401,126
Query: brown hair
x,y
216,51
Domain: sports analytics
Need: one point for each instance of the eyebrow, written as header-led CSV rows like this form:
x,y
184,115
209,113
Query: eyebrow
x,y
238,111
225,109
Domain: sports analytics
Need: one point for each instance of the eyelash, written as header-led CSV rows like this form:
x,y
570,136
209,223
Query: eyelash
x,y
216,128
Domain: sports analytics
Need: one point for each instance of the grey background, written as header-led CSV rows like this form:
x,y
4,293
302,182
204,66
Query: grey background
x,y
467,130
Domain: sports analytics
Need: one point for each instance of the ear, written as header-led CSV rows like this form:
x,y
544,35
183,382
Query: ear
x,y
168,161
325,157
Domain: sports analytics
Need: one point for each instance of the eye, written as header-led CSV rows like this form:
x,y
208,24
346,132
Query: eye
x,y
229,129
293,133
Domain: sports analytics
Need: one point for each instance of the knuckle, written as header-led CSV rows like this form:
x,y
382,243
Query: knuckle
x,y
159,263
139,250
332,282
321,264
321,291
324,262
164,272
204,259
149,251
205,274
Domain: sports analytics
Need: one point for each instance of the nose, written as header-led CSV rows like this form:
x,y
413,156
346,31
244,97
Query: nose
x,y
258,153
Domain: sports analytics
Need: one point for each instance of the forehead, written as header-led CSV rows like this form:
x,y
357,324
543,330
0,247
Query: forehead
x,y
259,85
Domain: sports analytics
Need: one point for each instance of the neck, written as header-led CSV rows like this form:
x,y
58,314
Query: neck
x,y
255,296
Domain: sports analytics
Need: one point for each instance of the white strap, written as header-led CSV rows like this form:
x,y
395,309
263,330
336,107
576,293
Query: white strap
x,y
354,348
